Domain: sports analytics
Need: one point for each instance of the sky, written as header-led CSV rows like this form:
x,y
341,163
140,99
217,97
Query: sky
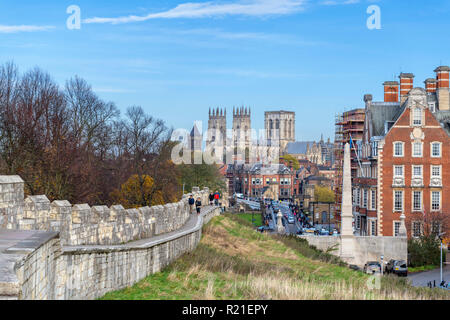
x,y
177,59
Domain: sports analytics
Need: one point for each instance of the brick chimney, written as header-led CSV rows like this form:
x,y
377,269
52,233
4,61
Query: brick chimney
x,y
431,85
391,91
443,94
406,85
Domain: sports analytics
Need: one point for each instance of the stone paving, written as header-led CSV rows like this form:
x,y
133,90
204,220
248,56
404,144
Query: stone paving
x,y
15,246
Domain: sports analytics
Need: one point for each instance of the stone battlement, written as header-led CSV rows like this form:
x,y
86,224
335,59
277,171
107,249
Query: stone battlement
x,y
81,224
56,250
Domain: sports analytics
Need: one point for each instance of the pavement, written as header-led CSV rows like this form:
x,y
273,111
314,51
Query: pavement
x,y
421,279
14,246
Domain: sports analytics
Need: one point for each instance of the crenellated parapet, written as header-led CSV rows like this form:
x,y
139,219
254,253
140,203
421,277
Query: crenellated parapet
x,y
81,224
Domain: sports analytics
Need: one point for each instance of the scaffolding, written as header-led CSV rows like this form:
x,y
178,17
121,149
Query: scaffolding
x,y
349,126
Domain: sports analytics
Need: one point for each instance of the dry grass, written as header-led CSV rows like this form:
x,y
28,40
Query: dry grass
x,y
234,262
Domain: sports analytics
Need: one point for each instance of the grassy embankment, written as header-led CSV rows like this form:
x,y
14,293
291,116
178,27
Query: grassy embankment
x,y
235,262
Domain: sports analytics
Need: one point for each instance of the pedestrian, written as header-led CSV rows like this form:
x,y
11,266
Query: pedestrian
x,y
211,199
216,198
191,203
198,205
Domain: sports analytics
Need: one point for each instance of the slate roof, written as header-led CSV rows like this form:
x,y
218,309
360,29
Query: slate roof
x,y
444,118
258,168
380,112
298,147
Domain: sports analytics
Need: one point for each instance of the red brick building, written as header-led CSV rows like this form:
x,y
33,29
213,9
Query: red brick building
x,y
405,158
252,180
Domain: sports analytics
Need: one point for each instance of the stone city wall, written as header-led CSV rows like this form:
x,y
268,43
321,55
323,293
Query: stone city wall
x,y
81,224
83,252
88,272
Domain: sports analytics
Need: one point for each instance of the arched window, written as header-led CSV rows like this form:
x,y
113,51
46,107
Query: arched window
x,y
277,125
270,124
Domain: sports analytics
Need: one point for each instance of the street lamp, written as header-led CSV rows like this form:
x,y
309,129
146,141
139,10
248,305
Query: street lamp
x,y
441,239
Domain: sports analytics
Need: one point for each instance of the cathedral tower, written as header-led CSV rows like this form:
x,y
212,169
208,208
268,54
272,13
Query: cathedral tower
x,y
217,127
242,127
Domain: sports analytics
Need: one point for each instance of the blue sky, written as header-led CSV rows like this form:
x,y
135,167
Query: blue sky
x,y
177,59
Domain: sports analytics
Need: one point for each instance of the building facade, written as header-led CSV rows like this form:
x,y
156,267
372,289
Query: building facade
x,y
253,180
405,167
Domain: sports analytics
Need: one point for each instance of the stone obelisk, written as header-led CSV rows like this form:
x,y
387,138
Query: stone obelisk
x,y
347,237
280,227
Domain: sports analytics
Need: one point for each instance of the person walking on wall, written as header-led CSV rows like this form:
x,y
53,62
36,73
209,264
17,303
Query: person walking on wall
x,y
216,198
211,199
191,203
198,205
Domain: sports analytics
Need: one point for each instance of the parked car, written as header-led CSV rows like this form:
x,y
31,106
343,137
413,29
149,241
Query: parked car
x,y
398,267
291,219
354,267
372,267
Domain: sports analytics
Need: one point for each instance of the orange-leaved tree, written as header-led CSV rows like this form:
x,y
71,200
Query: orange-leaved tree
x,y
138,191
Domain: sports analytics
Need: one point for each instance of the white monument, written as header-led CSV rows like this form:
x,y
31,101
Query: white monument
x,y
280,227
347,236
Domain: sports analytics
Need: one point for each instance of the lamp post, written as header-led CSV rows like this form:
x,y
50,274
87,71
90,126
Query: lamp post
x,y
329,218
441,239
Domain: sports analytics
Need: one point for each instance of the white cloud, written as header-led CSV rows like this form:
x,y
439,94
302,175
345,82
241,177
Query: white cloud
x,y
214,8
23,28
339,2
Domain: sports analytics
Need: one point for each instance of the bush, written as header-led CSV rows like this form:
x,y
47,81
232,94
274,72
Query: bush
x,y
424,251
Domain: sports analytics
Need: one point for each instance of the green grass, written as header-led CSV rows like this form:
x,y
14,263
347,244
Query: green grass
x,y
421,268
248,217
233,261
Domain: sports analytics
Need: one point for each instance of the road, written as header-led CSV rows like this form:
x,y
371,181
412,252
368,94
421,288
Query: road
x,y
421,279
291,228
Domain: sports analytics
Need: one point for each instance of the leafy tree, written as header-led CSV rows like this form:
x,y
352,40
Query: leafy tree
x,y
424,251
323,194
137,192
292,161
201,175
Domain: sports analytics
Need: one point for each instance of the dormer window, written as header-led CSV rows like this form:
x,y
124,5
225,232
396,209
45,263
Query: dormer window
x,y
417,117
432,107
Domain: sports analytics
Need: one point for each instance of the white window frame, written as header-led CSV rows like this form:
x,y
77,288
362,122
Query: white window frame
x,y
414,175
440,149
413,151
402,149
432,200
432,106
402,202
395,172
414,233
413,197
373,199
365,198
416,122
396,227
373,228
432,171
